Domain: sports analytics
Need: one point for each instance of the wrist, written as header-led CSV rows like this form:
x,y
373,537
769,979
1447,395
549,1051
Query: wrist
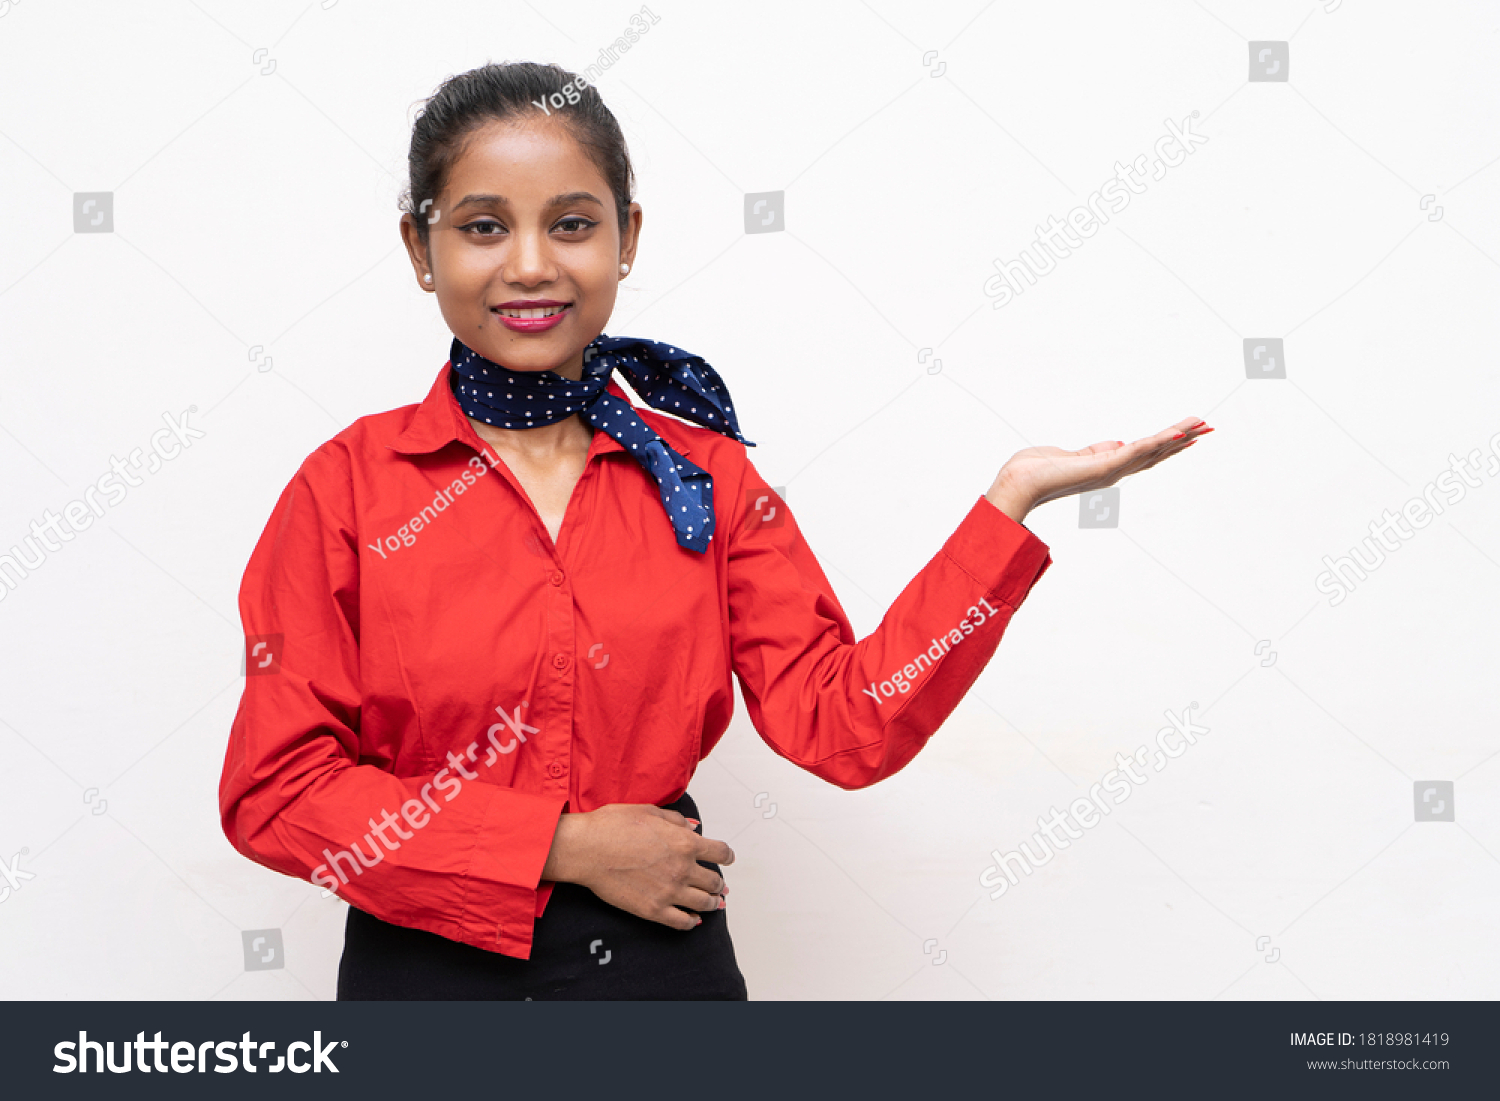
x,y
1008,499
567,859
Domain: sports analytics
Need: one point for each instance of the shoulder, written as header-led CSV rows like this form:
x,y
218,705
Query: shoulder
x,y
335,470
366,439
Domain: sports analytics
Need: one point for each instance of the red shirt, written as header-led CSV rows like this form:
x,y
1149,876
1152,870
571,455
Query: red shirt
x,y
431,682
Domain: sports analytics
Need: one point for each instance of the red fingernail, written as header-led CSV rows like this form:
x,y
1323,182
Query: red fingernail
x,y
1179,435
722,903
698,922
1205,431
695,821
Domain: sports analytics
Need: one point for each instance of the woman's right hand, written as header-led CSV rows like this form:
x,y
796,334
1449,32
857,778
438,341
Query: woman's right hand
x,y
1039,474
641,858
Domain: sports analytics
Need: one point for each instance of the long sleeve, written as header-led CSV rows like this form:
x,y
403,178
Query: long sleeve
x,y
854,712
305,791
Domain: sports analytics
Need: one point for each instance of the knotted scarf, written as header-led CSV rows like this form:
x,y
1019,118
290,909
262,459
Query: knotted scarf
x,y
667,378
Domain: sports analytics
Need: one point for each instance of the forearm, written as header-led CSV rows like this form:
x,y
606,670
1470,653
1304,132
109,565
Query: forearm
x,y
855,711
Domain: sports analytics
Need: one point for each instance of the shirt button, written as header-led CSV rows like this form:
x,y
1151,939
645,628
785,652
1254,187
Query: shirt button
x,y
556,769
557,577
561,661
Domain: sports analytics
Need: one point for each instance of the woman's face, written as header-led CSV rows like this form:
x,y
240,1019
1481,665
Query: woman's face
x,y
525,217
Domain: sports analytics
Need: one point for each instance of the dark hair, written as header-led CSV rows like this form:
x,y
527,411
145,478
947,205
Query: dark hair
x,y
491,93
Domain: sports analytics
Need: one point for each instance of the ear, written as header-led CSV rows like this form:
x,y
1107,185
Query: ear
x,y
416,251
630,239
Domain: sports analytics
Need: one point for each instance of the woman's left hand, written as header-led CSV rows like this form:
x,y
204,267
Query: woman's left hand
x,y
1040,474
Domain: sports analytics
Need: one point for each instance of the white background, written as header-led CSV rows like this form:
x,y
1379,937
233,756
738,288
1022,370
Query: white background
x,y
255,216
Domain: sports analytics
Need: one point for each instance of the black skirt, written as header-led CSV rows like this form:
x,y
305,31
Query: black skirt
x,y
582,948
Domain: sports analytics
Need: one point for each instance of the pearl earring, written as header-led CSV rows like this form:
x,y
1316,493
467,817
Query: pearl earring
x,y
427,278
624,268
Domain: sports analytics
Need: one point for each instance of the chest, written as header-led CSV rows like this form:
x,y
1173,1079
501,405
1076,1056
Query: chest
x,y
611,647
549,480
550,486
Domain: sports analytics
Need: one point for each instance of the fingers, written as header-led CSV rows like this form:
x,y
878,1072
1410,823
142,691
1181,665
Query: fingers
x,y
1167,442
1148,460
693,899
670,815
704,891
1183,446
677,919
1115,459
673,817
1190,429
705,880
1152,450
715,852
1181,441
1185,438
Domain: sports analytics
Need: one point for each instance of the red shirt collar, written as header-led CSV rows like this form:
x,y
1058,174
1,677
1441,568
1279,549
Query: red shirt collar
x,y
440,420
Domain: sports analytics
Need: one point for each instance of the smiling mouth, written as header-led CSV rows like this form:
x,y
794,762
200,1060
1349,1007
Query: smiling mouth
x,y
529,315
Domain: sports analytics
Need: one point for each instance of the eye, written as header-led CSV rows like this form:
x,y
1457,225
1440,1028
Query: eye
x,y
576,221
476,225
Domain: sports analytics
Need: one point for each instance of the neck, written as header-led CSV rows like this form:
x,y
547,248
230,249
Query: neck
x,y
571,370
540,444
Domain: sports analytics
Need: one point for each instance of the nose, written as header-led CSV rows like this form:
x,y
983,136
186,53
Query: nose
x,y
528,262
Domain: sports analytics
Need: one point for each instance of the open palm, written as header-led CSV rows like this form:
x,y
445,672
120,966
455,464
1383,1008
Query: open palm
x,y
1039,474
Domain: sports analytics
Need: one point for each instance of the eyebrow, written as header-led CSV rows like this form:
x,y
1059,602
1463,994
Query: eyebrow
x,y
556,200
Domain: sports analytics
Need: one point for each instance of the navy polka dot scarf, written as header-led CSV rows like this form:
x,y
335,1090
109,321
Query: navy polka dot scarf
x,y
666,377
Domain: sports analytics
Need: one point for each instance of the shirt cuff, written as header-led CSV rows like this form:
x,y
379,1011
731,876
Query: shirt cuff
x,y
505,868
1000,554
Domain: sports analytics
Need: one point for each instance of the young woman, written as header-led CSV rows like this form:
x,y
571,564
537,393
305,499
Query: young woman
x,y
528,545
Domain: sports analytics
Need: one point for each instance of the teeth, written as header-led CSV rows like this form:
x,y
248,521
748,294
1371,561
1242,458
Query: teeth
x,y
550,311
